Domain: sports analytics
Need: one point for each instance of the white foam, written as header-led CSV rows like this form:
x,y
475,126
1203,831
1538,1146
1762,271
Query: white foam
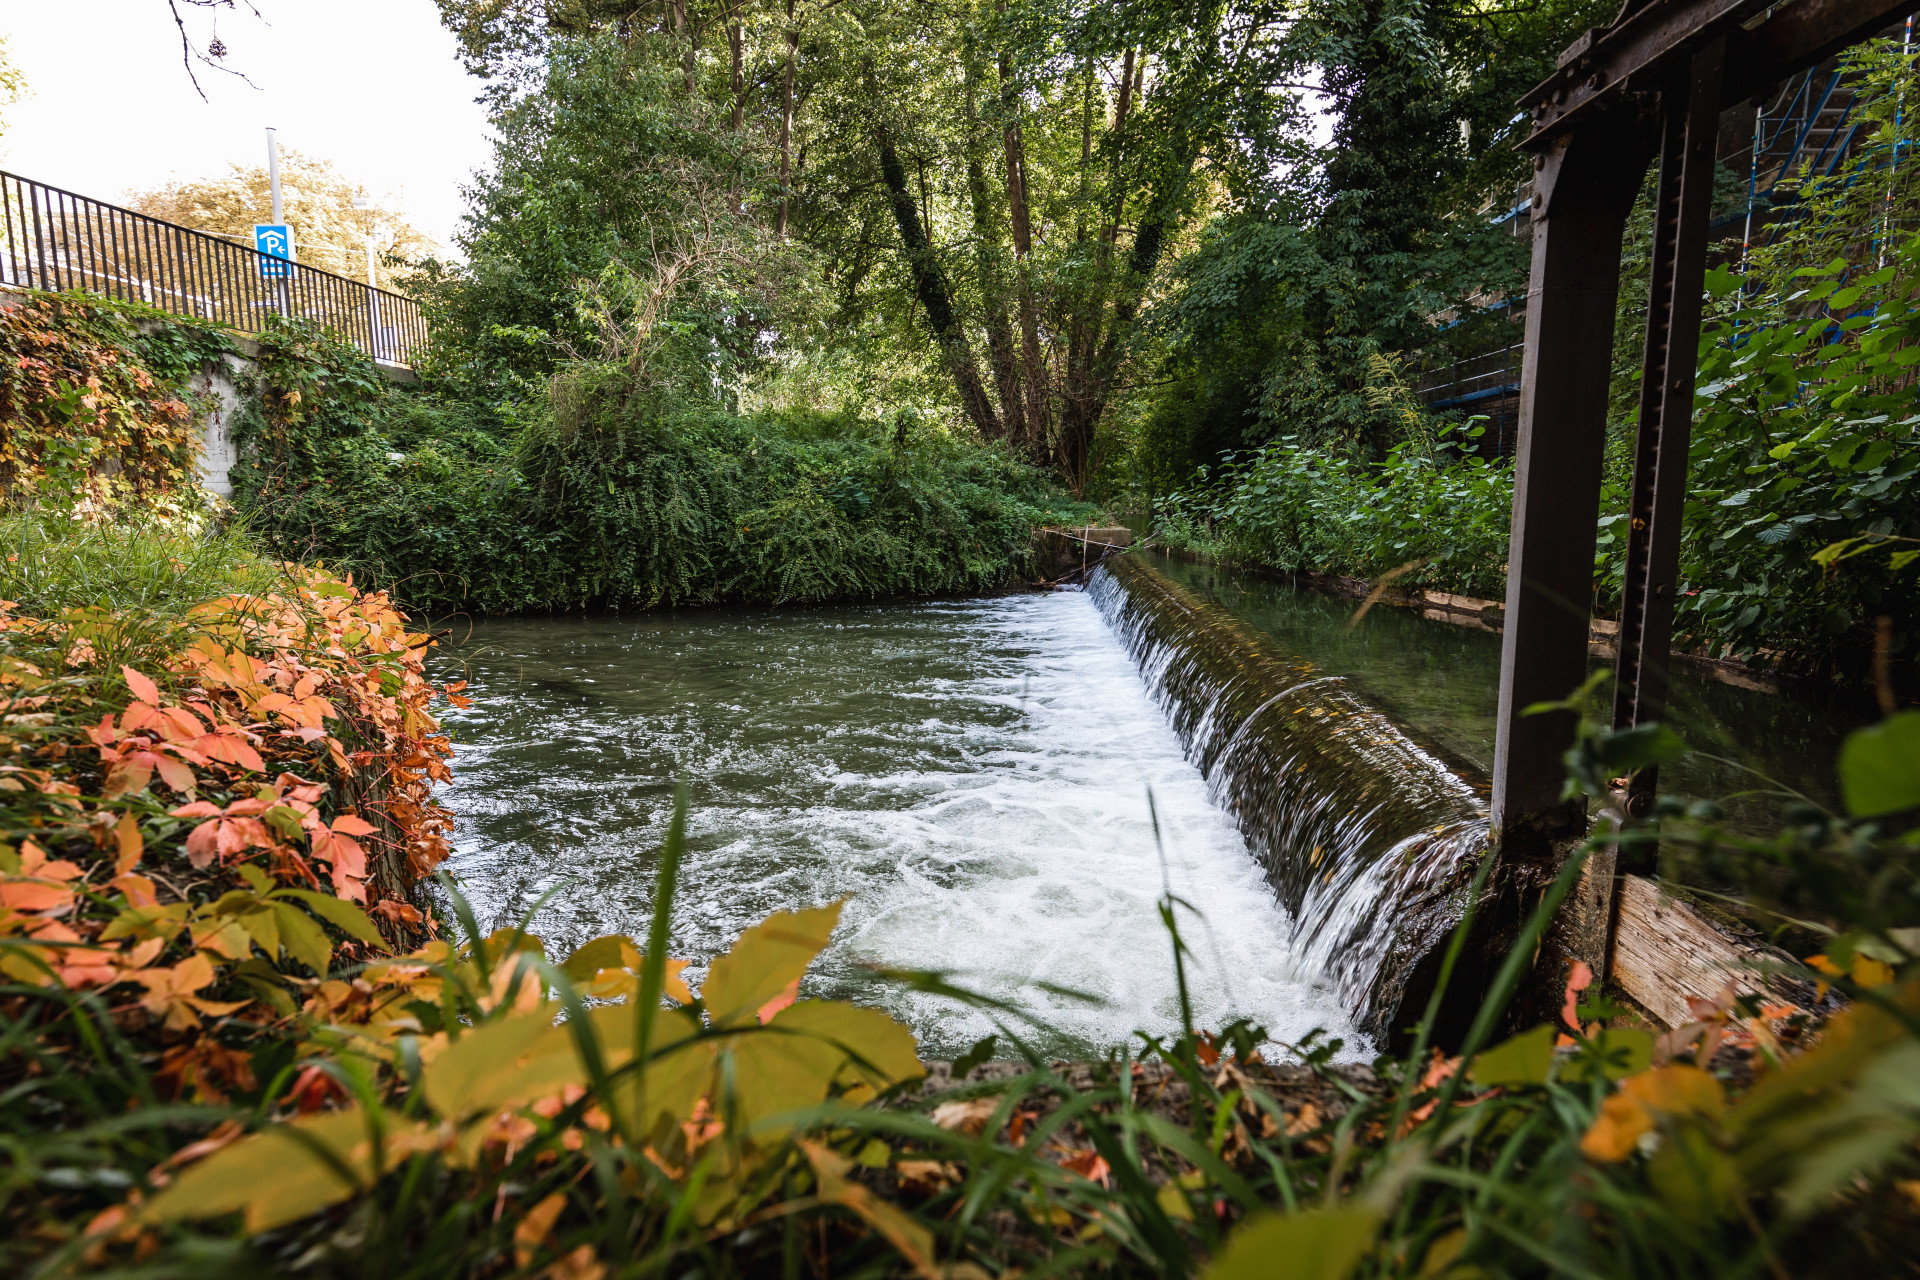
x,y
1004,839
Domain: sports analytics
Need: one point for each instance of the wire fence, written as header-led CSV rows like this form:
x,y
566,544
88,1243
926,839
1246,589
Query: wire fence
x,y
56,240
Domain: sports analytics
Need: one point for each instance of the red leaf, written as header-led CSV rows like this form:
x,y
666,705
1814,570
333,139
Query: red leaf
x,y
129,776
788,994
348,824
203,843
231,749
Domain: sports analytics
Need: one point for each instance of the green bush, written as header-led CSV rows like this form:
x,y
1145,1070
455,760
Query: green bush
x,y
1297,508
617,491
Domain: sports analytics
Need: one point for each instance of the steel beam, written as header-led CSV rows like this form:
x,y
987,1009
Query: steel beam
x,y
1584,187
1690,111
1799,36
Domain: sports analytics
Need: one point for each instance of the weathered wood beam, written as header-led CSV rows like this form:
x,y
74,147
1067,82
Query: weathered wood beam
x,y
1664,951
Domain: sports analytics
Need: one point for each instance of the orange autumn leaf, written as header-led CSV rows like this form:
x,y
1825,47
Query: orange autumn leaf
x,y
143,688
1676,1090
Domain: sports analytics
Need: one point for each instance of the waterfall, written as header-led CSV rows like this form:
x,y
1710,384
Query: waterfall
x,y
1369,840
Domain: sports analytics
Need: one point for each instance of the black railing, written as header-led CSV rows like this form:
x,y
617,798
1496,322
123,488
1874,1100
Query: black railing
x,y
55,240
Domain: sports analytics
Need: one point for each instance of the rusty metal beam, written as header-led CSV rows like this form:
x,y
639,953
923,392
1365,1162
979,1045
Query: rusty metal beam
x,y
1606,65
1690,107
1583,190
1799,36
1642,50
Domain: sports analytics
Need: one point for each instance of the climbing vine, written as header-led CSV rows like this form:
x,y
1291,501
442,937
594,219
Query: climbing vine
x,y
100,407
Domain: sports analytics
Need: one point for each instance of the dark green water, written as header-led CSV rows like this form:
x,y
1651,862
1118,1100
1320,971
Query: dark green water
x,y
1441,683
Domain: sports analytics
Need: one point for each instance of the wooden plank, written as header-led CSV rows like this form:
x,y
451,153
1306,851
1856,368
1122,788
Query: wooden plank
x,y
1664,951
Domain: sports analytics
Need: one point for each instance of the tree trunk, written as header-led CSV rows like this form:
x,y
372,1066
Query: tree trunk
x,y
786,123
737,42
930,288
677,12
1039,423
991,269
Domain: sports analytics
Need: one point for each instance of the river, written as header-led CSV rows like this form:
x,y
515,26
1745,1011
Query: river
x,y
972,776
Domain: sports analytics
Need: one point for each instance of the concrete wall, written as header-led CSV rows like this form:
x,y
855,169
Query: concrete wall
x,y
221,382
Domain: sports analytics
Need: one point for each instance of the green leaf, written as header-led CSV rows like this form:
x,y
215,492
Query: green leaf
x,y
304,940
1640,746
1524,1059
1619,1052
1322,1244
1880,766
767,959
981,1052
262,925
339,913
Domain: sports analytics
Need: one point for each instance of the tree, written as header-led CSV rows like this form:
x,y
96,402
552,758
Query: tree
x,y
1387,245
13,85
329,233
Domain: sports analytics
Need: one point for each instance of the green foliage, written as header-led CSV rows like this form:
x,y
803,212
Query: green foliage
x,y
1435,518
1804,436
622,489
1880,767
98,407
50,564
600,158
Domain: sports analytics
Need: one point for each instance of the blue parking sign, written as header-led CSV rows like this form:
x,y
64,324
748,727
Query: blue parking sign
x,y
275,239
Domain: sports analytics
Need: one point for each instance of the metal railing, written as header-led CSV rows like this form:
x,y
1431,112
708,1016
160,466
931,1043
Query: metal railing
x,y
56,240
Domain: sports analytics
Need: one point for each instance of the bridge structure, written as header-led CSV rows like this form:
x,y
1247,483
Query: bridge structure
x,y
1652,86
57,240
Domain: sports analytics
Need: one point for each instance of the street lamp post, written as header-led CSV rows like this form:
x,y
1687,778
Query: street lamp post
x,y
374,345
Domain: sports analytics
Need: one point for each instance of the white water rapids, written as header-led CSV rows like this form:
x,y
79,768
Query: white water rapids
x,y
972,776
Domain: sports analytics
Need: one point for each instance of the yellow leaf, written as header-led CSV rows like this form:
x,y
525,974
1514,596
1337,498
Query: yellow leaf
x,y
223,937
524,1056
1630,1113
765,960
1442,1252
1869,973
535,1226
1616,1130
1677,1090
1173,1203
276,1177
129,843
1322,1244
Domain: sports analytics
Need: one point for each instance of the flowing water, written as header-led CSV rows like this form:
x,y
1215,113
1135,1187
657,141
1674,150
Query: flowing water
x,y
1369,839
972,776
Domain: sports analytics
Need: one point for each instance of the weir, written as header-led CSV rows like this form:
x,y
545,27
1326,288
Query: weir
x,y
1370,840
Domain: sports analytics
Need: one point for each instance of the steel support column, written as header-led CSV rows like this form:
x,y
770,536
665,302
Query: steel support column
x,y
1690,120
1585,185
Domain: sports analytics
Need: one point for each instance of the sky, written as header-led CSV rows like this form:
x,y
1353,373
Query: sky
x,y
374,86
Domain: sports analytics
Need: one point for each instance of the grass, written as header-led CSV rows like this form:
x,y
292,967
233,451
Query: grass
x,y
52,564
478,1109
